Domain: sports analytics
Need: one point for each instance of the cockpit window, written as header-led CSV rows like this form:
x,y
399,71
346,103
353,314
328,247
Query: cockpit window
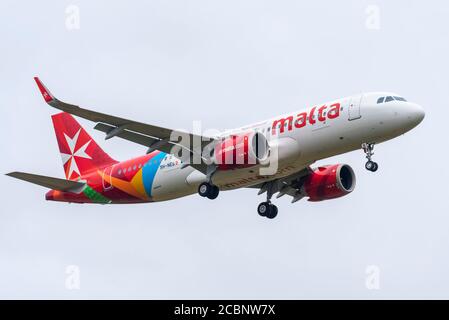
x,y
390,98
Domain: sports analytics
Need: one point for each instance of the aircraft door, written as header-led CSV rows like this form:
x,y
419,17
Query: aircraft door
x,y
354,107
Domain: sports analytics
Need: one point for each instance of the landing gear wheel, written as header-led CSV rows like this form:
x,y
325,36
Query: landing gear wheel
x,y
208,190
213,193
204,189
266,209
371,166
273,212
263,209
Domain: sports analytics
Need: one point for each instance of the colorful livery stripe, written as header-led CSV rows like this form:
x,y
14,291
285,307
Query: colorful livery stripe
x,y
149,171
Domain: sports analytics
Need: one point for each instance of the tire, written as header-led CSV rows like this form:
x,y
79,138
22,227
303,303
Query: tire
x,y
273,212
264,209
204,189
369,165
376,166
213,194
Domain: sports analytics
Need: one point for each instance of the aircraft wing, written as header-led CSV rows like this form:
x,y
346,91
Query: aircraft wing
x,y
134,137
151,136
49,182
289,185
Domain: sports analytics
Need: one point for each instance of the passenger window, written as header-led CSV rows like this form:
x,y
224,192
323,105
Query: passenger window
x,y
119,171
380,100
388,99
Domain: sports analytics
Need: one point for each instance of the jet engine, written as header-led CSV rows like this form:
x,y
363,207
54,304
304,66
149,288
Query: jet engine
x,y
241,151
329,182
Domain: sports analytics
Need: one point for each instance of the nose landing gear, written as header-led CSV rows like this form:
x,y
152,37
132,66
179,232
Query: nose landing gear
x,y
371,166
368,149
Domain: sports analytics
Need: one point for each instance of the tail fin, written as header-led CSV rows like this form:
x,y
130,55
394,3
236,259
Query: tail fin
x,y
80,153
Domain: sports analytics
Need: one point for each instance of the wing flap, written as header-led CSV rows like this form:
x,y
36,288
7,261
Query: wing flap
x,y
49,182
289,185
133,137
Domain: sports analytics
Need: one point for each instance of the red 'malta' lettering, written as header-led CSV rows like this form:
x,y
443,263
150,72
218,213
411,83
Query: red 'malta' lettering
x,y
324,113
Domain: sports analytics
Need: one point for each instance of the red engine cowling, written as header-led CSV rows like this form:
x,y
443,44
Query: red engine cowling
x,y
241,151
329,182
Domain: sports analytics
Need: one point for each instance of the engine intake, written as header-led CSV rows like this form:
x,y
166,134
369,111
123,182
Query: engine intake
x,y
329,182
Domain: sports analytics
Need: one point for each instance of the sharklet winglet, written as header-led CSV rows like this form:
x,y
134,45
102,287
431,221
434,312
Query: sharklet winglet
x,y
46,94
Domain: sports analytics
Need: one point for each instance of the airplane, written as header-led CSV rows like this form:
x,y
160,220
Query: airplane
x,y
274,156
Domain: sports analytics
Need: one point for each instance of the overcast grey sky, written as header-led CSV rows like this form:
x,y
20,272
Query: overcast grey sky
x,y
226,63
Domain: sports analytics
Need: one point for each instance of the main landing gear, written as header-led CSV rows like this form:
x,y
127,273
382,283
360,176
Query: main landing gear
x,y
208,190
267,209
368,149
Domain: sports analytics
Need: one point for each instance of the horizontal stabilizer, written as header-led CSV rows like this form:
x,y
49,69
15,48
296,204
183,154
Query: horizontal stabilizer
x,y
49,182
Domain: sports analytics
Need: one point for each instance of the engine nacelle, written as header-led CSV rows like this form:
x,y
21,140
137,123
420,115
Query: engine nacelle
x,y
329,182
241,151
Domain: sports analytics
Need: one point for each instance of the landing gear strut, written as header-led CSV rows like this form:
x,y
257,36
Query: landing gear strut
x,y
368,149
208,190
267,209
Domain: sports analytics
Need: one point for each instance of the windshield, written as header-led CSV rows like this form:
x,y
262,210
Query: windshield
x,y
389,99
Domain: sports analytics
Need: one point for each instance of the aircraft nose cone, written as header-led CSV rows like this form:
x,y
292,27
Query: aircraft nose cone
x,y
416,113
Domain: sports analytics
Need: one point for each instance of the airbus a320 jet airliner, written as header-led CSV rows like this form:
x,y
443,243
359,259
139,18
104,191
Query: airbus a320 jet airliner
x,y
274,156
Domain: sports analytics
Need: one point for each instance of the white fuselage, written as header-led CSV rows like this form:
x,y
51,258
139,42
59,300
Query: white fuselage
x,y
301,138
